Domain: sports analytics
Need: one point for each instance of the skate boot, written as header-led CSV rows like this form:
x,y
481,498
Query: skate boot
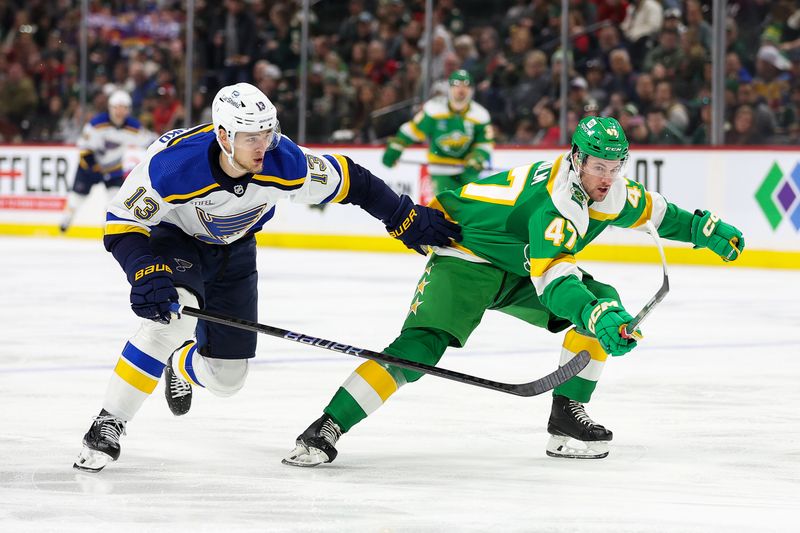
x,y
101,443
177,391
573,434
316,445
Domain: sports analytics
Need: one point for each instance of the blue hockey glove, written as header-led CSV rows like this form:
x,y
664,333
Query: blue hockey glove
x,y
418,226
152,290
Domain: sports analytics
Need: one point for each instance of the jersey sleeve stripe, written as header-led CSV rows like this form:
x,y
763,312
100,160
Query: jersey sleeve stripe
x,y
281,183
540,266
182,198
563,268
118,229
597,215
416,132
647,212
194,131
437,159
553,173
344,187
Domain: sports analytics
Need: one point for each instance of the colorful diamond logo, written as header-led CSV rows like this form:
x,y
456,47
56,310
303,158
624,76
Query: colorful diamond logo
x,y
778,196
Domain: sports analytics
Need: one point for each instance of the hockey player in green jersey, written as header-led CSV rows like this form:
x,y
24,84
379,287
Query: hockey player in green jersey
x,y
459,134
523,226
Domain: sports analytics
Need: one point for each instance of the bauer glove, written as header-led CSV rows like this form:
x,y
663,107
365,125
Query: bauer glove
x,y
708,231
152,290
605,318
418,226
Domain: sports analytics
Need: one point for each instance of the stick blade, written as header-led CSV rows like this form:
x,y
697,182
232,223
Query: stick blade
x,y
552,380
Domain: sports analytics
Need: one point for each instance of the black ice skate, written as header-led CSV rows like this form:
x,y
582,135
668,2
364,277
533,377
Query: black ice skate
x,y
573,433
101,443
316,445
177,391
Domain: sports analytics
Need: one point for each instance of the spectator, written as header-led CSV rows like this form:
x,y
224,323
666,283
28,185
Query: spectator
x,y
676,112
661,131
667,53
743,131
642,23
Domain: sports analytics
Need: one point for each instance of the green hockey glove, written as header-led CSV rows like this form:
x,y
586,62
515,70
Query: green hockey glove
x,y
606,318
393,151
708,231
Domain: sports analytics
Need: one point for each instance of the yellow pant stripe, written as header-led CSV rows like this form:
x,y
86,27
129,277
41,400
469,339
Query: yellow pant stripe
x,y
135,377
575,342
378,378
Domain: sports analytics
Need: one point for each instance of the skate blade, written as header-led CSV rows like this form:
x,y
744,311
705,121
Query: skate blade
x,y
305,457
91,460
569,448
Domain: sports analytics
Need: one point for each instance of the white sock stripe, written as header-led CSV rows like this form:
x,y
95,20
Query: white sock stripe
x,y
592,371
363,393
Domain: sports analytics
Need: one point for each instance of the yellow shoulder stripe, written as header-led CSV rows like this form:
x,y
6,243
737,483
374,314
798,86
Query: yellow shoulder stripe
x,y
344,188
186,135
647,212
173,197
540,266
279,181
114,228
597,215
553,173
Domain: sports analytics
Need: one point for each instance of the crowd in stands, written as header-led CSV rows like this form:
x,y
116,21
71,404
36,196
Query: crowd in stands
x,y
645,62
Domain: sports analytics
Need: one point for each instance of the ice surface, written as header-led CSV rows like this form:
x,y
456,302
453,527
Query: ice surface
x,y
704,412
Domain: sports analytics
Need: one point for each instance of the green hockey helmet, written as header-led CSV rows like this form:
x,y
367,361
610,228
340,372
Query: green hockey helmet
x,y
601,137
460,77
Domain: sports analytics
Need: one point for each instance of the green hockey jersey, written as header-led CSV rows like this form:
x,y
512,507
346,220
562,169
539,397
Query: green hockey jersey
x,y
533,219
452,136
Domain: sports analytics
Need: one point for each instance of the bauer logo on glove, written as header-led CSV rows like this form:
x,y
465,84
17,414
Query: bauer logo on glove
x,y
142,272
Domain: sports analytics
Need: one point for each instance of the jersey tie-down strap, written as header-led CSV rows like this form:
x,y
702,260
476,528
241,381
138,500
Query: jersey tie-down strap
x,y
533,388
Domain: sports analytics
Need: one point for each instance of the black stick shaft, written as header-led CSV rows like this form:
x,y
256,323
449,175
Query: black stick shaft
x,y
533,388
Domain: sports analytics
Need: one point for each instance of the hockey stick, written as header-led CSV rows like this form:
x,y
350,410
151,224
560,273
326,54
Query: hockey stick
x,y
629,331
538,386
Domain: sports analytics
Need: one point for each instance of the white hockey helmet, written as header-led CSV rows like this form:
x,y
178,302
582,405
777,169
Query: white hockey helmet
x,y
119,97
244,108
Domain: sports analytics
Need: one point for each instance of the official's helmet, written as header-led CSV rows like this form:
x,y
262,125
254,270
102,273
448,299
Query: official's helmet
x,y
244,108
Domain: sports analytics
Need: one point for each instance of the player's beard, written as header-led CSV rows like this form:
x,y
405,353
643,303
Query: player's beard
x,y
249,164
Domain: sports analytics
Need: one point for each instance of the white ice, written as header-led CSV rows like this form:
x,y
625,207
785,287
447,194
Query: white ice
x,y
704,412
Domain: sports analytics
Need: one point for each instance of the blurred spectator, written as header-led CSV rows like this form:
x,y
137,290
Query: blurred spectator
x,y
642,23
549,132
524,134
661,131
677,113
234,43
18,101
771,81
764,118
742,130
667,53
645,93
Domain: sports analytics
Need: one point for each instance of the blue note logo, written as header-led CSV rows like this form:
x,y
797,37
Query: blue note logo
x,y
223,229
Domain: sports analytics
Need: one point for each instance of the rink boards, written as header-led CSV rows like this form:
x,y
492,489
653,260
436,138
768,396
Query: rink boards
x,y
758,190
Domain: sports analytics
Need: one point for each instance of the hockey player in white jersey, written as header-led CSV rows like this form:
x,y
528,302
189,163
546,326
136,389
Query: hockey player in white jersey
x,y
182,228
102,144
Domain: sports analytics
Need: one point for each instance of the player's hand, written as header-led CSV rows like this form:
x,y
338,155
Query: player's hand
x,y
605,318
392,153
472,168
152,290
418,226
708,231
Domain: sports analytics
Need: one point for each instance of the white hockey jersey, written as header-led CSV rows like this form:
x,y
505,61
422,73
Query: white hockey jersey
x,y
108,143
180,183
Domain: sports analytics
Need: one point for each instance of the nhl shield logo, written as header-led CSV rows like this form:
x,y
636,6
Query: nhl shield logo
x,y
238,190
